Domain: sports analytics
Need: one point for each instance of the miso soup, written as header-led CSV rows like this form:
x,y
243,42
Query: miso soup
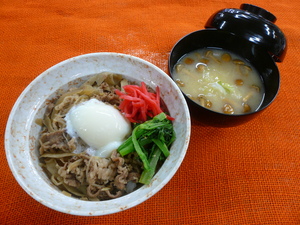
x,y
219,80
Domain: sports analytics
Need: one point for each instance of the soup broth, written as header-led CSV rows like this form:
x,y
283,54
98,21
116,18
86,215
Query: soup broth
x,y
219,80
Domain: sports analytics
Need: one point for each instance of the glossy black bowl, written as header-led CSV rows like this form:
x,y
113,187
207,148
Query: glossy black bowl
x,y
252,53
249,32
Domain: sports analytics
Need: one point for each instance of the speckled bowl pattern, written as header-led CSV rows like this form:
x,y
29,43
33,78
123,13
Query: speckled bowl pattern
x,y
21,135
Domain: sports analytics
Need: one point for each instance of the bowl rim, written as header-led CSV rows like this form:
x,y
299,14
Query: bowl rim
x,y
147,190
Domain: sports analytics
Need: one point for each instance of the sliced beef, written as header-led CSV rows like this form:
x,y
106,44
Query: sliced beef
x,y
56,141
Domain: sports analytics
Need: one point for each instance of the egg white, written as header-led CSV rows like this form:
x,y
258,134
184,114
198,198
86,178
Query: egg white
x,y
101,126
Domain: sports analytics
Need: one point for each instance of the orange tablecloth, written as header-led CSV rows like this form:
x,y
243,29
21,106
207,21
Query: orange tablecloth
x,y
248,174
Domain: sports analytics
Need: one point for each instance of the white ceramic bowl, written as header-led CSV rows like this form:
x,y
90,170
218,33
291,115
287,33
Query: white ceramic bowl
x,y
21,135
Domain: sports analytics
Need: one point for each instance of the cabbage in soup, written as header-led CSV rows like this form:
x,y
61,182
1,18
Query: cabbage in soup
x,y
219,80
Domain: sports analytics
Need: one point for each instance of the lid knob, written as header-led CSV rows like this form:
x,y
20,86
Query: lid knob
x,y
259,11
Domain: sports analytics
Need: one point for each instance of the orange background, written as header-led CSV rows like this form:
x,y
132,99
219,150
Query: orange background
x,y
248,174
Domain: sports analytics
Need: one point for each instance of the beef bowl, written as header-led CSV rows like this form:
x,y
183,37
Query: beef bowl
x,y
78,138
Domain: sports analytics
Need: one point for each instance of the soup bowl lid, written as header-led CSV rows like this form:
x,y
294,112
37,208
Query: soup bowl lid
x,y
253,24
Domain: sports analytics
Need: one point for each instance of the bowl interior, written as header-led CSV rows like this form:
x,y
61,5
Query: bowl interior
x,y
252,53
21,135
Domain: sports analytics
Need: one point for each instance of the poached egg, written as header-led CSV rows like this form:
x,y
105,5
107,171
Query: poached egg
x,y
101,126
